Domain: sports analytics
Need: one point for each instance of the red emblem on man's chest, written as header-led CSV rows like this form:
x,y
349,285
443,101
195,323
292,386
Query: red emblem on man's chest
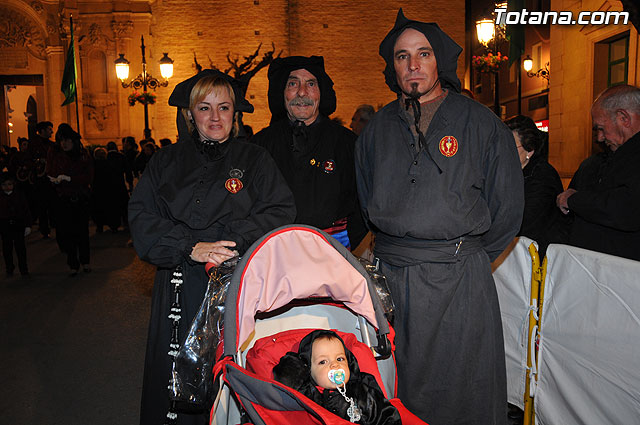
x,y
448,146
329,166
233,185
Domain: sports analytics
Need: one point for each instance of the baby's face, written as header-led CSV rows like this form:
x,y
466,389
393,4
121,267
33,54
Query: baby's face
x,y
326,355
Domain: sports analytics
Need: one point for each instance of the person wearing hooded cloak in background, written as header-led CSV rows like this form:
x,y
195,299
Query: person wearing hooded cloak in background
x,y
204,199
440,183
70,170
314,154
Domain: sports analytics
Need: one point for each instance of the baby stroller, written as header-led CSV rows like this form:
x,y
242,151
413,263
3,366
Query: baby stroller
x,y
295,279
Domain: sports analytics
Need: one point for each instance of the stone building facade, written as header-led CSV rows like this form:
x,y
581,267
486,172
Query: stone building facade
x,y
346,33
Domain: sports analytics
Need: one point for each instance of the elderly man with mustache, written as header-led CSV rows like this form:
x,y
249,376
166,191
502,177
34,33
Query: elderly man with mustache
x,y
314,154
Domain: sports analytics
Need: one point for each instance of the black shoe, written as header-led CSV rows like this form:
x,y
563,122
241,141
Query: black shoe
x,y
86,268
73,272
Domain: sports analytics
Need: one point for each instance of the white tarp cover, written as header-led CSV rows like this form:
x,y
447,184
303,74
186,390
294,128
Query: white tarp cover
x,y
589,358
512,275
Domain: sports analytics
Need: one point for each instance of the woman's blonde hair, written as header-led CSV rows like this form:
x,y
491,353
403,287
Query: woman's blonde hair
x,y
201,90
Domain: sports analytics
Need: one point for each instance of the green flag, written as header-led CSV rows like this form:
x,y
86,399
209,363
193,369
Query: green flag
x,y
69,77
515,33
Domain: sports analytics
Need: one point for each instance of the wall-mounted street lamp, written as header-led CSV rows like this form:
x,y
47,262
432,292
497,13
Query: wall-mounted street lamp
x,y
144,80
487,31
527,64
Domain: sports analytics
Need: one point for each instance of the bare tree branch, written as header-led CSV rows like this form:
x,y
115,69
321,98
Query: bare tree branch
x,y
195,63
246,70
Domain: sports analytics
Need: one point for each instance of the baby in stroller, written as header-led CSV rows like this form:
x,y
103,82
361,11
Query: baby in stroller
x,y
325,371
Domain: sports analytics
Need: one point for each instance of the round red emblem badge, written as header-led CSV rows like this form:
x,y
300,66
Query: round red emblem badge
x,y
233,185
448,146
329,166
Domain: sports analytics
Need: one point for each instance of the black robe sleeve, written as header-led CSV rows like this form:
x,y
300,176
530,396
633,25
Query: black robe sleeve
x,y
503,191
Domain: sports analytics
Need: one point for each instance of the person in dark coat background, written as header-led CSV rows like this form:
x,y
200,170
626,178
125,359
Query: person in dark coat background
x,y
117,172
314,154
108,192
130,152
43,193
15,224
206,198
440,183
70,169
100,201
606,209
542,221
148,149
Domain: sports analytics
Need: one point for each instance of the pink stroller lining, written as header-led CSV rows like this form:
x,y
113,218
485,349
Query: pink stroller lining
x,y
298,265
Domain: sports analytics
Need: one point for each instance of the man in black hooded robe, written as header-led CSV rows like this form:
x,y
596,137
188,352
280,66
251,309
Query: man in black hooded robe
x,y
314,154
440,183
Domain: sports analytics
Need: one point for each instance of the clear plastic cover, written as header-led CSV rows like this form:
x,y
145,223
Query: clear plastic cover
x,y
191,383
382,289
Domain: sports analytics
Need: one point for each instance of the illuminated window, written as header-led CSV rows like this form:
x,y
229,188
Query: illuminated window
x,y
618,67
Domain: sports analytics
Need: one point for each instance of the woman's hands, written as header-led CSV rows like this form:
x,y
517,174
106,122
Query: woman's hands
x,y
213,252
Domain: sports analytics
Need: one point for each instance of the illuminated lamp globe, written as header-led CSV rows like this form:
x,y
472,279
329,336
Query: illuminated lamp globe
x,y
122,67
527,64
166,66
486,30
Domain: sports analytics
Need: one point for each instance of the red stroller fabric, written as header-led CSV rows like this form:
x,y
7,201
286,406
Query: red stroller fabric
x,y
296,263
267,351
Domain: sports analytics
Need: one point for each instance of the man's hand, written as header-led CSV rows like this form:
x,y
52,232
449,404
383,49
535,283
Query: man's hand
x,y
60,178
213,252
563,198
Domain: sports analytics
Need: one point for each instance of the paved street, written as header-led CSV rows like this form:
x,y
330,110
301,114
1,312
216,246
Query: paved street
x,y
72,348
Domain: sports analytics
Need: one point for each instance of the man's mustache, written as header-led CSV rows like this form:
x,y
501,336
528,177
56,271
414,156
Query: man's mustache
x,y
301,101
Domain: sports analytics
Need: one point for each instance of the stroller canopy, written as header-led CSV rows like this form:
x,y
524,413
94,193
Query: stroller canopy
x,y
296,262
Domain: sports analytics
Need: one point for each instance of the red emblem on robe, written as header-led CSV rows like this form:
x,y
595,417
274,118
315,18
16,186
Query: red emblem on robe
x,y
233,185
329,166
448,146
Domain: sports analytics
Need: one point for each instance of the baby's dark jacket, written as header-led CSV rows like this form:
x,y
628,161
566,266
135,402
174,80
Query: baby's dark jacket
x,y
294,370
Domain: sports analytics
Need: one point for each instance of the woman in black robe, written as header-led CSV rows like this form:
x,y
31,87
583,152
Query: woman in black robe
x,y
542,221
204,199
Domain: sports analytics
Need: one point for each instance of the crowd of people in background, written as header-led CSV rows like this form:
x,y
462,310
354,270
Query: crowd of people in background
x,y
57,182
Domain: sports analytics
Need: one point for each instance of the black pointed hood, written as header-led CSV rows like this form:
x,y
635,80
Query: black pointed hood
x,y
445,49
182,92
278,74
180,95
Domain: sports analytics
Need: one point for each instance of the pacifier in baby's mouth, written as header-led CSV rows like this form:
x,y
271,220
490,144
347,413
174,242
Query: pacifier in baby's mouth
x,y
337,376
